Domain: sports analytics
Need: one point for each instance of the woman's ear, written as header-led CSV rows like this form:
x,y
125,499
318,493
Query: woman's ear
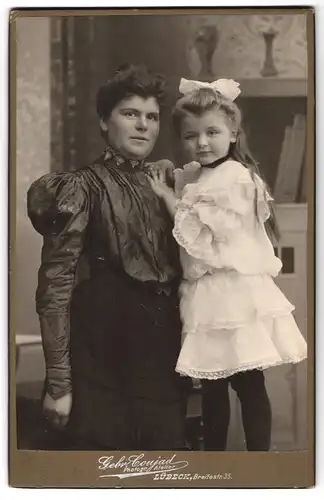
x,y
103,125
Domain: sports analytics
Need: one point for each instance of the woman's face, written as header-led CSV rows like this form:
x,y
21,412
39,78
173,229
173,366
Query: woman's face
x,y
133,126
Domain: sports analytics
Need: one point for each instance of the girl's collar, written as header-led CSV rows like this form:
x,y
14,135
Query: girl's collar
x,y
111,153
218,162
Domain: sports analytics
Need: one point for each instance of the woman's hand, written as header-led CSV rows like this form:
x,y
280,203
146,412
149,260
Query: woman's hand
x,y
57,411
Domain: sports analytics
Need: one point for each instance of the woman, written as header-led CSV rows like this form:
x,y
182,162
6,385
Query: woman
x,y
111,343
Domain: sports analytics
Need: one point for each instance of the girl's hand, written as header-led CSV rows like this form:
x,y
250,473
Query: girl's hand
x,y
158,183
157,179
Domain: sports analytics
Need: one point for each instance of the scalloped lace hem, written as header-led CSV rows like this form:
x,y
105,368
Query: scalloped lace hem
x,y
210,375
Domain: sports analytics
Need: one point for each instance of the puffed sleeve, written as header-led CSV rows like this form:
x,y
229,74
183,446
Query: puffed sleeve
x,y
58,207
209,216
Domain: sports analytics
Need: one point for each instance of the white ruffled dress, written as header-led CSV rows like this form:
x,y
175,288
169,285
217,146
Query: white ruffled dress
x,y
235,318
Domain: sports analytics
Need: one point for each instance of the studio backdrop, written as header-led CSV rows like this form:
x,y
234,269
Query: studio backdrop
x,y
62,61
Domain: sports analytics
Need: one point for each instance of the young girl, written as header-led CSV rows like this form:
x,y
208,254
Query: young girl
x,y
236,321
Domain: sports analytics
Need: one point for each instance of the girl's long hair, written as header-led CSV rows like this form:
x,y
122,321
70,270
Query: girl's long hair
x,y
205,99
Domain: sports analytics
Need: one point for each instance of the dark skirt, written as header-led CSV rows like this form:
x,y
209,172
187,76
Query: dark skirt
x,y
125,341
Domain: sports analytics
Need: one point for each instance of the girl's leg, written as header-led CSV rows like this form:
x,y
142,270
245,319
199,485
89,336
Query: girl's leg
x,y
256,409
215,413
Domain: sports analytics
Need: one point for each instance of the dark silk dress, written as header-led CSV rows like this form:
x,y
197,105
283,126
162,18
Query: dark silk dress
x,y
114,337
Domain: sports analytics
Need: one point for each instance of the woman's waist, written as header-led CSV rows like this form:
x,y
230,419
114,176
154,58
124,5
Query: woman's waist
x,y
118,277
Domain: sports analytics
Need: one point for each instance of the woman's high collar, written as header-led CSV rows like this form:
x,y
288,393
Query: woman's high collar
x,y
111,153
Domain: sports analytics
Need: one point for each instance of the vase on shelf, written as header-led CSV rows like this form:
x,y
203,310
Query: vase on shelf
x,y
269,27
205,43
269,68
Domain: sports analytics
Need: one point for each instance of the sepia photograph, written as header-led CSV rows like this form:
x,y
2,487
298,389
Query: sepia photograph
x,y
162,181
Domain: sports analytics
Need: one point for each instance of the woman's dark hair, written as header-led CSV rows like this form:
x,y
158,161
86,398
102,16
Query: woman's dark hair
x,y
205,99
129,80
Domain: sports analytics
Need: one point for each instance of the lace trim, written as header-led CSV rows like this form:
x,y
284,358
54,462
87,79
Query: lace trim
x,y
197,253
210,375
234,324
209,248
255,189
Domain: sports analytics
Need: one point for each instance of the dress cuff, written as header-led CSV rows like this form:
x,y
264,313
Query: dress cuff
x,y
58,385
55,337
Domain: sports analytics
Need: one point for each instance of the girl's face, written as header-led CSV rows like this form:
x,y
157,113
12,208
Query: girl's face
x,y
206,138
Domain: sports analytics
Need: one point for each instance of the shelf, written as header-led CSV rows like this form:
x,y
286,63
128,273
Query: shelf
x,y
273,87
266,86
292,217
28,340
261,87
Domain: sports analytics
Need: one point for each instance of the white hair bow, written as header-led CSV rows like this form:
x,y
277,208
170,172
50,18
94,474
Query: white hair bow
x,y
228,88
